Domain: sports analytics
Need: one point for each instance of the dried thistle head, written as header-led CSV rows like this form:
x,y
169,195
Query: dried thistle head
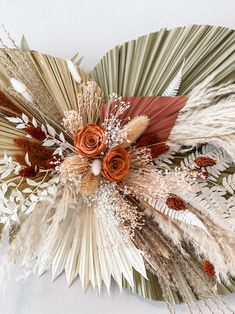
x,y
89,183
135,128
74,166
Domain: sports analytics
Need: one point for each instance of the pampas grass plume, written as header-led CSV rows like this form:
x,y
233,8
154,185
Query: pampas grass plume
x,y
135,128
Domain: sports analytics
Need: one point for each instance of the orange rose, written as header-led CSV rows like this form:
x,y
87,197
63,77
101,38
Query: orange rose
x,y
90,141
116,164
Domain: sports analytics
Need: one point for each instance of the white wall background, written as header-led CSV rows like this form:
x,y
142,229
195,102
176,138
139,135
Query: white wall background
x,y
91,27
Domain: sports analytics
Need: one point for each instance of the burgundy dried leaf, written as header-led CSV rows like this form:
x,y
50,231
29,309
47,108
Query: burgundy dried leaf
x,y
159,149
147,140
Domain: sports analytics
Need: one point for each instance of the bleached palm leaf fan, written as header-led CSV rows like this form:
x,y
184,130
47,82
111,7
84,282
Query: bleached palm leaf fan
x,y
126,173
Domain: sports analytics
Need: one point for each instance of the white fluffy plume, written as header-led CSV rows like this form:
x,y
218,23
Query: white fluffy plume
x,y
96,167
204,115
73,71
20,88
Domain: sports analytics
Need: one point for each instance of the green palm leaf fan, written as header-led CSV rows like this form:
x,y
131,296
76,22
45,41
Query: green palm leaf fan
x,y
147,65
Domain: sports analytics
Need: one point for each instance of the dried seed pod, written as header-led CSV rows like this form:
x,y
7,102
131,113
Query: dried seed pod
x,y
204,161
176,203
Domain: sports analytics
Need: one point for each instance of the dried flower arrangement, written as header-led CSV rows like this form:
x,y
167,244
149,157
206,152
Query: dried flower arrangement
x,y
138,188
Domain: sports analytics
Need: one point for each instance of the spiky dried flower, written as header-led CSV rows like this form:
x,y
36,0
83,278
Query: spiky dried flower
x,y
120,216
53,162
89,102
112,121
38,154
140,156
29,172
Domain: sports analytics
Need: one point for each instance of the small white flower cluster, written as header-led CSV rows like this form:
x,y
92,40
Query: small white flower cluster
x,y
115,133
119,216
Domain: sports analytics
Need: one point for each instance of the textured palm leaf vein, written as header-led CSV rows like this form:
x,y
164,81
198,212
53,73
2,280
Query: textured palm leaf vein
x,y
138,189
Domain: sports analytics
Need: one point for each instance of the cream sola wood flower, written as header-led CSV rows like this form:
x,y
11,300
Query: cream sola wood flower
x,y
135,188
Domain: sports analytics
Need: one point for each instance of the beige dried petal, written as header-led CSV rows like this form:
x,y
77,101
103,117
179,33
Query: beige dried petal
x,y
74,165
135,128
89,183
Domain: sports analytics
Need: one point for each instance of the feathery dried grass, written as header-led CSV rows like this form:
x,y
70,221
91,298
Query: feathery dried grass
x,y
74,166
202,120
